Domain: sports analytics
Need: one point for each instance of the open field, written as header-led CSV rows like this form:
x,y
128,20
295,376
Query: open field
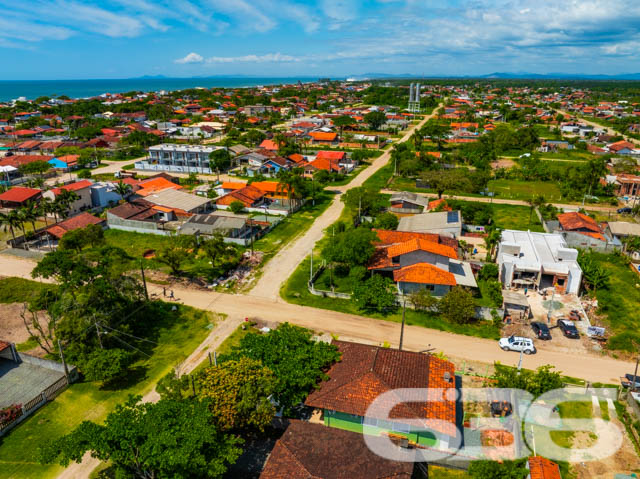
x,y
523,190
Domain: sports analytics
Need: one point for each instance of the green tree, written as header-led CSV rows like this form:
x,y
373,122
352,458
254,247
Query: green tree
x,y
375,294
10,221
447,180
173,387
297,361
362,200
423,299
123,189
594,276
223,256
458,306
375,119
255,137
145,440
219,160
107,365
173,256
342,121
90,236
488,272
238,394
292,185
236,207
351,247
537,382
386,221
64,200
436,131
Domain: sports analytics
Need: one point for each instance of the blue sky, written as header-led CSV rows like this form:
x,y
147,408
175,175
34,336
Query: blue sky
x,y
62,39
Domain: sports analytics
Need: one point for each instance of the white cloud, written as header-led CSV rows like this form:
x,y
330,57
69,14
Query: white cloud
x,y
267,58
190,58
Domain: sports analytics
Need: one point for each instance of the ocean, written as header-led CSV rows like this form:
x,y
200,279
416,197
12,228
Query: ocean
x,y
32,89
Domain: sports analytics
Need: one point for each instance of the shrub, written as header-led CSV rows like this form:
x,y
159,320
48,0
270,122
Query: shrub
x,y
10,414
488,272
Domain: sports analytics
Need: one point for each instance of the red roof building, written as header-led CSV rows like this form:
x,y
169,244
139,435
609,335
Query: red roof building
x,y
580,223
77,186
365,372
18,196
81,220
313,451
542,468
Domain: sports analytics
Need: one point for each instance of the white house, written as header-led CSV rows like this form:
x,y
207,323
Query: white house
x,y
538,261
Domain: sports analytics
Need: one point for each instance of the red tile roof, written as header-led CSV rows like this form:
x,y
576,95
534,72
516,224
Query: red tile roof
x,y
542,468
326,164
331,155
314,451
422,245
76,222
19,194
156,184
18,160
575,221
424,273
366,371
323,136
269,145
389,237
77,186
247,196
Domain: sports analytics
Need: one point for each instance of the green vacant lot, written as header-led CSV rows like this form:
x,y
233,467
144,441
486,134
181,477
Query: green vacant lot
x,y
88,401
523,190
515,217
619,302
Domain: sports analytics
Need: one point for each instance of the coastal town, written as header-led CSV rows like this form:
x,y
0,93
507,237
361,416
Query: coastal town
x,y
246,270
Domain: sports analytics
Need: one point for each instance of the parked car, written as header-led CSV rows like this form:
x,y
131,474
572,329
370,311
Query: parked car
x,y
541,330
568,328
517,343
625,210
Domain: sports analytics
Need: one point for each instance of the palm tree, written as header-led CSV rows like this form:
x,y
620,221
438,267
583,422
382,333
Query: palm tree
x,y
123,189
31,214
23,217
64,200
44,208
10,220
536,202
491,241
290,184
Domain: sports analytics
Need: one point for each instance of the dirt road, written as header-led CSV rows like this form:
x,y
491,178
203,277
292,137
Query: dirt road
x,y
501,201
282,265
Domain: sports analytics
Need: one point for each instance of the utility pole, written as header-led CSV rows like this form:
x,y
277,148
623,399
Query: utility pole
x,y
311,271
144,281
635,375
404,307
251,234
98,332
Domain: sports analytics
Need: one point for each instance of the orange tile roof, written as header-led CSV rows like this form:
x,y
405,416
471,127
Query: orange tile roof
x,y
331,155
366,371
269,145
268,186
77,186
323,136
247,196
423,245
326,164
436,203
81,220
232,185
389,237
574,221
156,184
542,468
424,273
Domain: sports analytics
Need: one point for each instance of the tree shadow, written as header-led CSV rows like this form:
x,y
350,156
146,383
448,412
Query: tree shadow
x,y
134,375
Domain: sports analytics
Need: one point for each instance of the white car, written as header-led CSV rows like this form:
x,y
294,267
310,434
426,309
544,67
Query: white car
x,y
517,343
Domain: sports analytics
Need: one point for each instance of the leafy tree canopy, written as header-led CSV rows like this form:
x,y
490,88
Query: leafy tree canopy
x,y
167,439
352,247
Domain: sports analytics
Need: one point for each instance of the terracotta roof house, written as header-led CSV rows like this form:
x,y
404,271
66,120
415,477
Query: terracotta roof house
x,y
249,196
269,145
332,155
154,185
365,372
313,451
18,196
321,137
332,166
542,468
621,147
75,222
18,160
420,263
582,231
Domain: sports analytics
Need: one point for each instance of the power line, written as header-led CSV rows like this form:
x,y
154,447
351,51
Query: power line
x,y
127,334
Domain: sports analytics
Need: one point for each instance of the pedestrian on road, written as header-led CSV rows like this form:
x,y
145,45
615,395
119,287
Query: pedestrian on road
x,y
164,292
171,296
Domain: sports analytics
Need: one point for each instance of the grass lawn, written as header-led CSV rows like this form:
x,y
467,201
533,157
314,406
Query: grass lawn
x,y
18,290
523,190
436,472
619,302
87,401
295,291
380,178
516,218
5,233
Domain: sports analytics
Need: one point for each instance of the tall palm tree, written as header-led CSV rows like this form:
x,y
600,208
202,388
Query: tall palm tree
x,y
45,206
290,184
10,220
123,189
31,214
64,200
